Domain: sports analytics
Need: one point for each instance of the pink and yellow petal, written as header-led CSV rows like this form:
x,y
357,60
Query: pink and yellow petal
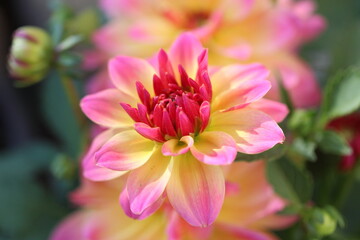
x,y
252,130
90,169
126,71
216,148
174,147
185,51
146,184
104,108
71,227
126,150
196,190
236,86
277,110
242,233
150,210
178,229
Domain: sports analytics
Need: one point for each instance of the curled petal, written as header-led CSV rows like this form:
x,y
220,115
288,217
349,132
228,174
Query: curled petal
x,y
204,114
125,204
126,71
217,148
277,110
196,190
104,109
93,171
252,130
149,132
174,147
147,183
125,151
185,51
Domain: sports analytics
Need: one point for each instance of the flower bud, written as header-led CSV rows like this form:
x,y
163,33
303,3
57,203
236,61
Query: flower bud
x,y
321,222
30,55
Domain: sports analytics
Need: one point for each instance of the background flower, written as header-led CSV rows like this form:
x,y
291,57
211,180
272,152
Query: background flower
x,y
244,31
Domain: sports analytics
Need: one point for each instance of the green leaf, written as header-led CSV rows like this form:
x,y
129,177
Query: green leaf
x,y
61,115
271,154
28,209
342,94
335,214
306,148
69,42
69,60
61,13
289,181
333,143
302,122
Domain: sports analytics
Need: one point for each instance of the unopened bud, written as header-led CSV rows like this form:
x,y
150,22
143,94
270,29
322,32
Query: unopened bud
x,y
30,55
321,222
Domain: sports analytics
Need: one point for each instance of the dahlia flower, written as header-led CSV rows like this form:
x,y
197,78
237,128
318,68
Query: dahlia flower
x,y
235,31
249,213
172,124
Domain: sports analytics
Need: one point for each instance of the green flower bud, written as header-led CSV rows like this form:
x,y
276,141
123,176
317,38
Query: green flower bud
x,y
30,55
321,222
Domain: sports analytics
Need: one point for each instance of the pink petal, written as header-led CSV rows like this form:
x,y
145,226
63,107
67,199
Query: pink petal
x,y
104,108
178,229
185,51
301,83
240,51
174,147
277,110
244,233
217,148
125,204
90,169
71,227
252,130
149,132
125,151
98,82
147,183
236,86
126,71
298,79
196,190
204,111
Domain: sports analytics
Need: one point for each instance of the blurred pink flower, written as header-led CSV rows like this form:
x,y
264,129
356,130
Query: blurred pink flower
x,y
246,31
249,212
172,123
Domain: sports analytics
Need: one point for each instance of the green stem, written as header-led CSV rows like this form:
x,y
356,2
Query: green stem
x,y
346,187
73,98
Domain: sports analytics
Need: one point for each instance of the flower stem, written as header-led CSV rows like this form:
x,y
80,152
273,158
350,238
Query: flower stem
x,y
346,187
73,97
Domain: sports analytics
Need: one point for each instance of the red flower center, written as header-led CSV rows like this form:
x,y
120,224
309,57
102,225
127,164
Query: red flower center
x,y
177,109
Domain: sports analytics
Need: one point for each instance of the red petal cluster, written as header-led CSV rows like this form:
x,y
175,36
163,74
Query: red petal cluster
x,y
179,108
